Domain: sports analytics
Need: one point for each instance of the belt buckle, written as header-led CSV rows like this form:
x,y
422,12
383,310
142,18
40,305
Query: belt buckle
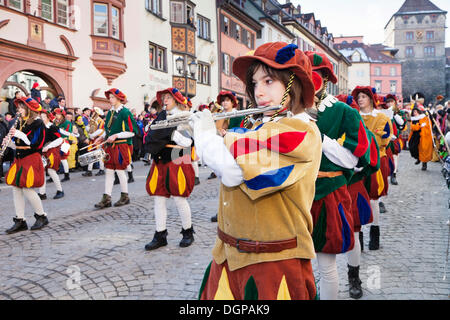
x,y
237,245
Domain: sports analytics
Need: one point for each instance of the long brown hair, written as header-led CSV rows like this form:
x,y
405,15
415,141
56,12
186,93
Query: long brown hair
x,y
32,115
295,104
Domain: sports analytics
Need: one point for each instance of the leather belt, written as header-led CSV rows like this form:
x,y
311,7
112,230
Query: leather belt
x,y
330,174
23,148
249,246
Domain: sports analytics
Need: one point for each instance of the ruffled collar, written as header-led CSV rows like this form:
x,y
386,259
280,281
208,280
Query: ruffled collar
x,y
328,102
417,118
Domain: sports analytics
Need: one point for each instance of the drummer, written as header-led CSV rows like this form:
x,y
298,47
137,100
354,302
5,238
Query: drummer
x,y
95,130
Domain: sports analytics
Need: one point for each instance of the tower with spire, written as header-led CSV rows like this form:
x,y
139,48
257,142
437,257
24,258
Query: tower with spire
x,y
417,30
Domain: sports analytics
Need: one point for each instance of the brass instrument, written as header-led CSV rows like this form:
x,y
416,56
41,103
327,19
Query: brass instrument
x,y
9,137
184,118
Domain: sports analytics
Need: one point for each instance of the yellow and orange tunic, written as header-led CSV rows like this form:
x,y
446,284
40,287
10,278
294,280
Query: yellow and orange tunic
x,y
279,163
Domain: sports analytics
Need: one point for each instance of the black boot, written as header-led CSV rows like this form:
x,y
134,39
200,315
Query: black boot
x,y
361,240
417,162
130,177
41,221
354,283
212,176
19,225
100,173
42,196
214,218
374,243
424,166
66,177
116,179
394,179
188,237
382,208
59,195
104,203
159,240
197,181
87,174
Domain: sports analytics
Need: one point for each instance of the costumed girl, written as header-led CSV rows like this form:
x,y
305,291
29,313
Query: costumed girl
x,y
27,172
377,184
264,243
171,174
51,151
120,127
344,146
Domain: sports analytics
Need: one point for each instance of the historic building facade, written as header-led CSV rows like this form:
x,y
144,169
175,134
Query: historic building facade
x,y
417,30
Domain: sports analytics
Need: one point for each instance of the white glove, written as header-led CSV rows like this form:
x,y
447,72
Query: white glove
x,y
45,149
423,125
203,123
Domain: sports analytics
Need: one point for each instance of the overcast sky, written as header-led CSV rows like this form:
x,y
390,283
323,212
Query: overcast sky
x,y
360,17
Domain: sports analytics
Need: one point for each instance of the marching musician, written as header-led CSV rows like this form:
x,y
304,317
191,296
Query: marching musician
x,y
264,245
120,127
51,151
66,130
377,183
171,173
96,129
27,171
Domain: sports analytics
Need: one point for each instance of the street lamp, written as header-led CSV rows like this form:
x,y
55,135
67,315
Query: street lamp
x,y
180,65
193,68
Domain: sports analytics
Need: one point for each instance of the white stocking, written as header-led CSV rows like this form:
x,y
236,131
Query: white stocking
x,y
19,203
160,213
34,200
52,173
109,181
376,212
184,210
354,256
329,280
65,165
90,167
395,163
123,180
42,189
102,165
195,166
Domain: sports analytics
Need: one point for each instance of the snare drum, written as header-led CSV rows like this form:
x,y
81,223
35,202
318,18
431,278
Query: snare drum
x,y
92,157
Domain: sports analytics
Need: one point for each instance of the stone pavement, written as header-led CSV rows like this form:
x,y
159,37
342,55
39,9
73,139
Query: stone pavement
x,y
87,254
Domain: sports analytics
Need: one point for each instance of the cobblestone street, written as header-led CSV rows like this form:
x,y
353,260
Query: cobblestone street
x,y
106,248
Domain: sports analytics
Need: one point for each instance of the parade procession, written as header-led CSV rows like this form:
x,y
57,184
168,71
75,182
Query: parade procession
x,y
302,165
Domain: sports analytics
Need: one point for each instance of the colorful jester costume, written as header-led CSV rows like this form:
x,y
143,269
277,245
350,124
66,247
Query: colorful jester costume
x,y
264,243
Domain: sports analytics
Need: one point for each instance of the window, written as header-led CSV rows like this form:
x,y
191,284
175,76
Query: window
x,y
409,35
16,4
226,26
393,71
115,23
100,19
157,57
429,51
203,73
203,28
378,85
226,64
177,12
393,86
47,10
430,35
154,6
377,71
62,7
237,32
409,51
